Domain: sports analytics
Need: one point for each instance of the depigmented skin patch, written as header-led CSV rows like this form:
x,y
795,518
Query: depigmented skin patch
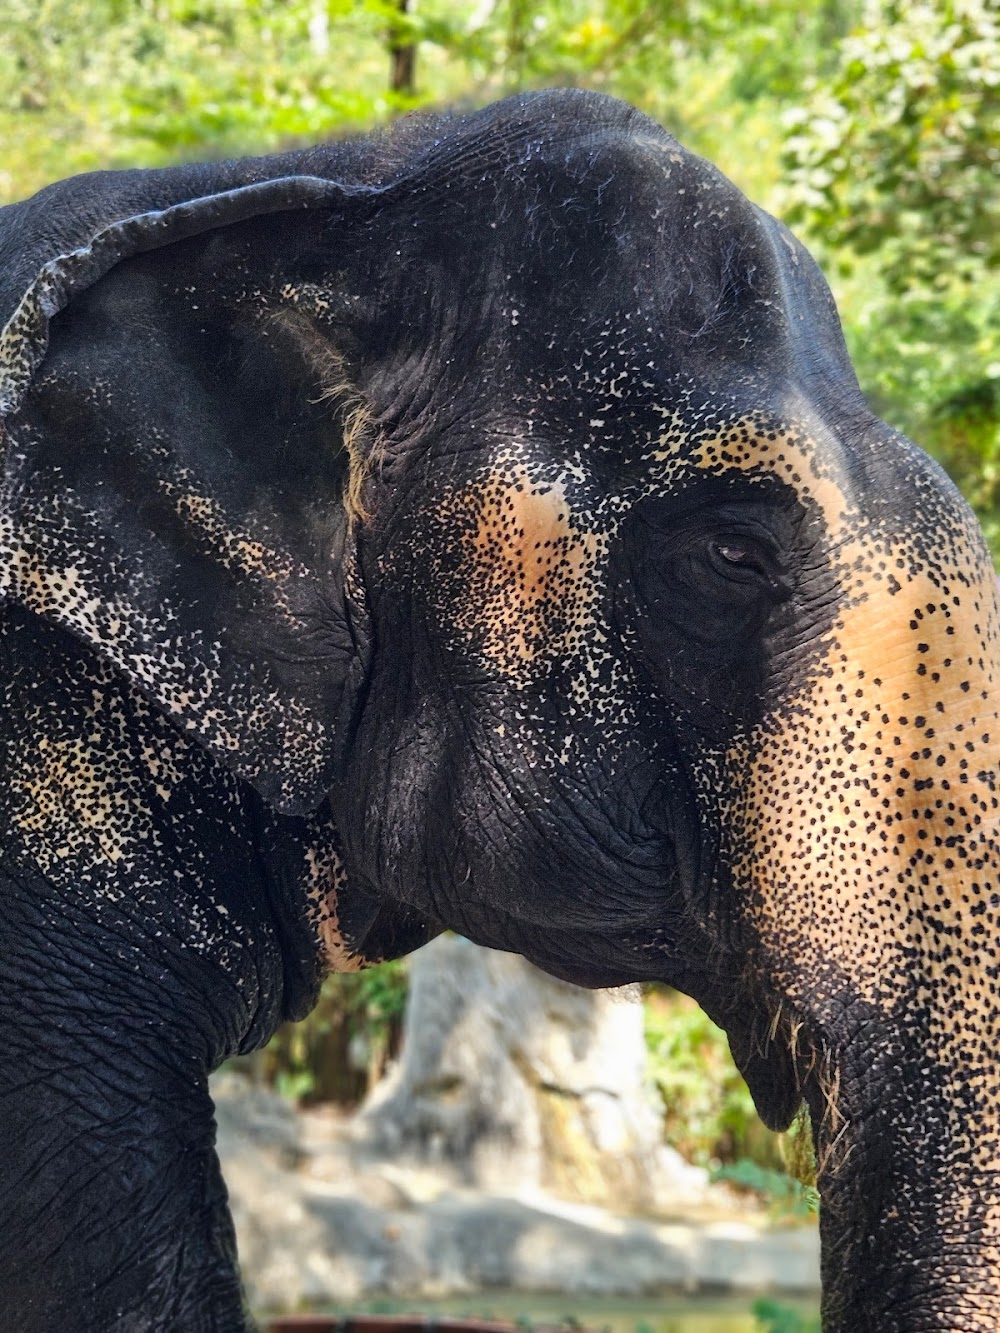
x,y
54,566
789,453
909,757
234,548
525,586
325,878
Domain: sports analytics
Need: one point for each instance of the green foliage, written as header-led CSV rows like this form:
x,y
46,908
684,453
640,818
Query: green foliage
x,y
894,170
708,1113
381,996
929,364
339,1052
773,1317
900,151
86,83
784,1194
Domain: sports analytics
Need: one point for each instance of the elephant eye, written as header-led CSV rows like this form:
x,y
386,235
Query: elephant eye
x,y
732,552
746,560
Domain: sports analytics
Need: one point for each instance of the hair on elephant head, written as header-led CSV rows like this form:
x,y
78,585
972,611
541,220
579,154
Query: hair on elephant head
x,y
477,526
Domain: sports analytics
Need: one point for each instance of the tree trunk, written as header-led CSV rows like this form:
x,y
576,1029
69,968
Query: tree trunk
x,y
510,1080
402,58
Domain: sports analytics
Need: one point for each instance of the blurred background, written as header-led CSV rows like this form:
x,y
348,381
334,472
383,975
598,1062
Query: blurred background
x,y
873,128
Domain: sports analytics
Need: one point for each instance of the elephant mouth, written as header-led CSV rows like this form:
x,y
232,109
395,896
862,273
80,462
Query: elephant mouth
x,y
369,930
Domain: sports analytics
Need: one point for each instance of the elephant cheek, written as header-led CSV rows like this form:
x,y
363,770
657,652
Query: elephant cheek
x,y
871,839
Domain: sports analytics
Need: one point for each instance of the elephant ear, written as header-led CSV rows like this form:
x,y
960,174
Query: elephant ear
x,y
173,476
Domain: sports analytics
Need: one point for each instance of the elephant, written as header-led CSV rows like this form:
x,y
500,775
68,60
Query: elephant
x,y
476,526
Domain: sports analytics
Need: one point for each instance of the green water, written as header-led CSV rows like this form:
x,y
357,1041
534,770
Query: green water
x,y
703,1314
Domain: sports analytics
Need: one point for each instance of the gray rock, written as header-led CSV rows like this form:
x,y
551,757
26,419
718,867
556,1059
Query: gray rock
x,y
509,1078
512,1146
341,1234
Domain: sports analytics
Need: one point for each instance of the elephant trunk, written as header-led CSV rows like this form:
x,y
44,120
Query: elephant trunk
x,y
910,1217
872,879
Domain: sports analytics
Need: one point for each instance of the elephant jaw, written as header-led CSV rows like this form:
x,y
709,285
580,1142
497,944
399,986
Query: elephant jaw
x,y
355,929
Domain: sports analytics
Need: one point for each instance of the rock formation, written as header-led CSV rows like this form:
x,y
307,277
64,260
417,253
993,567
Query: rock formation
x,y
509,1080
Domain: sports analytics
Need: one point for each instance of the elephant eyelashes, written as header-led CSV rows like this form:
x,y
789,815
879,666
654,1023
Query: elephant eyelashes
x,y
732,552
745,560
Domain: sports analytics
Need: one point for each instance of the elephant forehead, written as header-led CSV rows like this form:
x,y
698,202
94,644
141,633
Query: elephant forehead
x,y
524,585
806,459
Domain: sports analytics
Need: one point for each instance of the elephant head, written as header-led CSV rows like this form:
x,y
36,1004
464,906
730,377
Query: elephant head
x,y
478,527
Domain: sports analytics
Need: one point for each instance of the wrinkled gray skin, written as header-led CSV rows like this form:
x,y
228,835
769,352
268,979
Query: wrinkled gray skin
x,y
476,527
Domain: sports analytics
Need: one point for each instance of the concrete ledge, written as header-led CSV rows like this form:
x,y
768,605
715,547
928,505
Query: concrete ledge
x,y
317,1227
